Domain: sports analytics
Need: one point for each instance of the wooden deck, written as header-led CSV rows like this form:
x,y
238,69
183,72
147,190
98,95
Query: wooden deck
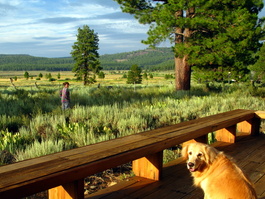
x,y
63,173
248,152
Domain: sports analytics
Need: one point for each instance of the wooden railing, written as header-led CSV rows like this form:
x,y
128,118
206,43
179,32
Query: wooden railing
x,y
63,173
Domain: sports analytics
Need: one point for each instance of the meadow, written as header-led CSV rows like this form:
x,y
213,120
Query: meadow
x,y
33,124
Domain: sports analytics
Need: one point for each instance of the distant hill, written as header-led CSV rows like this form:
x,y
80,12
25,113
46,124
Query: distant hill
x,y
149,59
29,63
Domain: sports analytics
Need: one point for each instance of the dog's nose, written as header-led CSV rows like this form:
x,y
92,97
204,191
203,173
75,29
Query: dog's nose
x,y
190,164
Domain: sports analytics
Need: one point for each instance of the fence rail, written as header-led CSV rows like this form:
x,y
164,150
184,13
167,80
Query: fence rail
x,y
63,173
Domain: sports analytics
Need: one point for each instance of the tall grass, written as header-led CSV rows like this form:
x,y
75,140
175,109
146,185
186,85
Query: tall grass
x,y
101,114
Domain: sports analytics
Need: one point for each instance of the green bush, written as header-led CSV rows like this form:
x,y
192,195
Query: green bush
x,y
45,147
32,120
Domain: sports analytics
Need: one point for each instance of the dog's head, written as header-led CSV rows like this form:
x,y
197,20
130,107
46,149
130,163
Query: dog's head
x,y
198,156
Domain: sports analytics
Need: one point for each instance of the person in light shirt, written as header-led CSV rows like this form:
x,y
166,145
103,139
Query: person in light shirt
x,y
65,96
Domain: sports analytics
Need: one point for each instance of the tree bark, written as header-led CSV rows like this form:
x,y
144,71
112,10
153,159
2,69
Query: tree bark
x,y
183,73
182,67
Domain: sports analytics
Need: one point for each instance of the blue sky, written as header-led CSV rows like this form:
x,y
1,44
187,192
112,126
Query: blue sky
x,y
48,28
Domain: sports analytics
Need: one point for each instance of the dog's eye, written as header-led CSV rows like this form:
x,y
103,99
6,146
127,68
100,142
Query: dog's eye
x,y
199,155
190,153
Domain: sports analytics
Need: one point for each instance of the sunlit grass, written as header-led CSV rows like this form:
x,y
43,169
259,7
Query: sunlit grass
x,y
100,114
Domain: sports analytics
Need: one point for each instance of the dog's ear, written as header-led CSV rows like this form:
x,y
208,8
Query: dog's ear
x,y
184,151
210,154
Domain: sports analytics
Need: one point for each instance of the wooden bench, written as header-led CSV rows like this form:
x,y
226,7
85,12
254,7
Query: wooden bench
x,y
63,173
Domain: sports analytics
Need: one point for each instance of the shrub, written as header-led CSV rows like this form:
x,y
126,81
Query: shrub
x,y
169,76
44,147
35,116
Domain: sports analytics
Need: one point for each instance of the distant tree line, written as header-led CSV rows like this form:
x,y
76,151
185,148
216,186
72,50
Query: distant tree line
x,y
30,63
149,59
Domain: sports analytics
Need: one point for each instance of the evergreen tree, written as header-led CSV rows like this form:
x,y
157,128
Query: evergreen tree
x,y
145,76
259,67
85,54
26,75
134,75
204,33
151,76
101,75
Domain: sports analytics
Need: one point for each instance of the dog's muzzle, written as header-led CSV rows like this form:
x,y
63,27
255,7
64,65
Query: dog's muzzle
x,y
191,166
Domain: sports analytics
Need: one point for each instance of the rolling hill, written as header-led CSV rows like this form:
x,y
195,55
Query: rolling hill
x,y
148,59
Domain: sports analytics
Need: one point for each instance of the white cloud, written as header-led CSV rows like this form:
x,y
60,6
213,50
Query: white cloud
x,y
49,27
53,23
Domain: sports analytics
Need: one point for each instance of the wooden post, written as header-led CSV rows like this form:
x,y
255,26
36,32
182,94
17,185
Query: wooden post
x,y
226,134
149,167
74,190
251,126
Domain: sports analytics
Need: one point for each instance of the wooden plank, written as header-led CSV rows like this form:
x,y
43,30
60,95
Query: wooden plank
x,y
73,190
177,181
78,158
196,193
90,149
122,189
227,134
150,166
250,126
107,144
259,186
95,158
260,114
217,121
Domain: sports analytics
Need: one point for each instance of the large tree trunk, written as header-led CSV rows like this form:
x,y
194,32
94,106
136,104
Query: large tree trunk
x,y
182,67
183,73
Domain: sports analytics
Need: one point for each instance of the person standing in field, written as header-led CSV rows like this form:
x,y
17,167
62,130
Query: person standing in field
x,y
65,96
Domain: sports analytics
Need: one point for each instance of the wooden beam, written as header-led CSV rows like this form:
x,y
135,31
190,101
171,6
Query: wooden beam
x,y
150,166
226,134
260,114
74,190
35,175
251,126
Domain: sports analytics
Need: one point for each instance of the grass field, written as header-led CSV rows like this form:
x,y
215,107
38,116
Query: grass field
x,y
111,78
33,124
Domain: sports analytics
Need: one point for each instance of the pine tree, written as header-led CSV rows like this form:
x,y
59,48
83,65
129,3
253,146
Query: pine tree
x,y
134,75
85,54
259,67
26,75
204,33
101,75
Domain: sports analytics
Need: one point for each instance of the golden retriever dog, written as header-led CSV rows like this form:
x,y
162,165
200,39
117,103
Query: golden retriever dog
x,y
216,174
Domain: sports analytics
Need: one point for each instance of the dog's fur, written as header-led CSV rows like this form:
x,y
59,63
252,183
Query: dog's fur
x,y
216,174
